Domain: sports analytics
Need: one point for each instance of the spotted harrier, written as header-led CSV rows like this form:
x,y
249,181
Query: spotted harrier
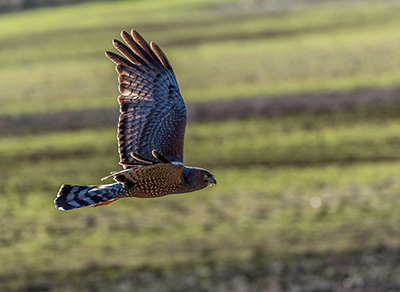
x,y
151,132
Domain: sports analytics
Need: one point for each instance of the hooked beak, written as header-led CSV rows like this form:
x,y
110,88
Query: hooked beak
x,y
212,181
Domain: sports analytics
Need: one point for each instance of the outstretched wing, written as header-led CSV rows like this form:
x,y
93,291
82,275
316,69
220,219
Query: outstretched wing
x,y
153,113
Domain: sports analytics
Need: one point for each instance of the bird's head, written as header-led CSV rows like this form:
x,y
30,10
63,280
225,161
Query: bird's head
x,y
197,178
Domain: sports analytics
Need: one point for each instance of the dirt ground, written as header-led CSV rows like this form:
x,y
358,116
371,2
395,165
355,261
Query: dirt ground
x,y
246,107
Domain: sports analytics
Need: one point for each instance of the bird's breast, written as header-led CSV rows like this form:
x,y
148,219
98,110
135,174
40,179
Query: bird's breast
x,y
153,188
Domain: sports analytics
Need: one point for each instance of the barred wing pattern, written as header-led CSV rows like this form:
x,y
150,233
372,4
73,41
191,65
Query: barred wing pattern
x,y
153,113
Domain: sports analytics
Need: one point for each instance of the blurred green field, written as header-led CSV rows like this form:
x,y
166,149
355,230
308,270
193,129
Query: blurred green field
x,y
299,140
289,186
286,186
219,49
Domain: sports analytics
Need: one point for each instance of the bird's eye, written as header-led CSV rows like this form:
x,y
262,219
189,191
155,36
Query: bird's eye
x,y
205,176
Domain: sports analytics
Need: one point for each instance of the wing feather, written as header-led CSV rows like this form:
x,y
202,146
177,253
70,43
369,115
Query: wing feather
x,y
160,55
127,52
118,59
153,113
144,45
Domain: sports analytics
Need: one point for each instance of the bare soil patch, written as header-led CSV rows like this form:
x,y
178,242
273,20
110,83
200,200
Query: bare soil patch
x,y
246,107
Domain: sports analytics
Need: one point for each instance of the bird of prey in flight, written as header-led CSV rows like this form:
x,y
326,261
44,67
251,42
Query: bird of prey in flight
x,y
151,132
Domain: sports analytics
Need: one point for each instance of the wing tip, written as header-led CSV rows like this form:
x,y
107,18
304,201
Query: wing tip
x,y
162,58
140,51
124,33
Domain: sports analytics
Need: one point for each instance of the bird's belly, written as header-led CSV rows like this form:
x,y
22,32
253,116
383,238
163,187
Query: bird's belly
x,y
153,189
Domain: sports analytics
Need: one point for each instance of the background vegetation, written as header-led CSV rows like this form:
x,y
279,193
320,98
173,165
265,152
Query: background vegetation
x,y
18,5
304,202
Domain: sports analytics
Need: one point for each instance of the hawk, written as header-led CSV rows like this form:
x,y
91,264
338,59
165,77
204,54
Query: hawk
x,y
151,132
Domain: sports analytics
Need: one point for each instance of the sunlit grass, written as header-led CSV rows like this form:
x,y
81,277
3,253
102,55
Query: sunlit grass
x,y
53,59
254,207
269,170
258,207
274,141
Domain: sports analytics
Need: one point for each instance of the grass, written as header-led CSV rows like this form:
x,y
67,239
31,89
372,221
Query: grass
x,y
287,185
254,207
57,59
251,208
294,140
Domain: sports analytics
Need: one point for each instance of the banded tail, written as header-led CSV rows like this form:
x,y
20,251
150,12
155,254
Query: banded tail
x,y
72,197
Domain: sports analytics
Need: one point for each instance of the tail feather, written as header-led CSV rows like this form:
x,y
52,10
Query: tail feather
x,y
72,196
